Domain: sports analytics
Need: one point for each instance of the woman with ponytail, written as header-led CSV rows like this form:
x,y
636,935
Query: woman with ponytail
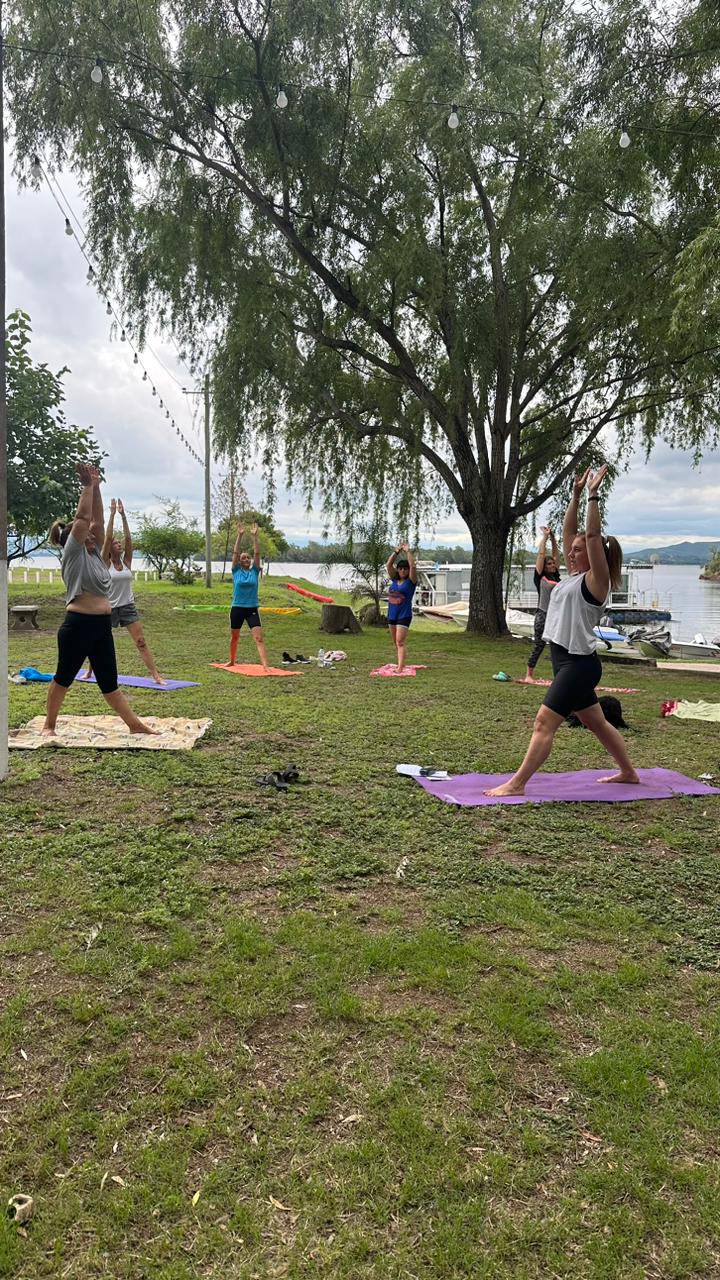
x,y
86,631
575,608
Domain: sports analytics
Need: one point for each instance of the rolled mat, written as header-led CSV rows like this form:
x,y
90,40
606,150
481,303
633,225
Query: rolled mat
x,y
601,688
578,787
146,682
253,669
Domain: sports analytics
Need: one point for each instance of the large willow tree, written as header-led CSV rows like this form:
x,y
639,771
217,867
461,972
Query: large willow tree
x,y
401,308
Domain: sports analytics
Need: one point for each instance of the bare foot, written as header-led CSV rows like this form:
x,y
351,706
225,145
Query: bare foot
x,y
508,788
47,732
159,679
622,777
84,675
145,728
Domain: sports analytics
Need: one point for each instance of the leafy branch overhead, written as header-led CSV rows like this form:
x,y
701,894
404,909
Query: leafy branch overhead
x,y
439,317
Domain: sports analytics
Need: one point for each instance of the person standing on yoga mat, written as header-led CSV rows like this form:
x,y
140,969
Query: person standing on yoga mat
x,y
246,598
86,631
403,581
124,613
546,575
576,607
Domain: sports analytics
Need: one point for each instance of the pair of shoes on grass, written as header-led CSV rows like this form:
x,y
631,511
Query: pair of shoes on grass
x,y
280,780
289,661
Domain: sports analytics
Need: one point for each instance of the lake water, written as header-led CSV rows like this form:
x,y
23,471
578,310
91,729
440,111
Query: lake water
x,y
695,605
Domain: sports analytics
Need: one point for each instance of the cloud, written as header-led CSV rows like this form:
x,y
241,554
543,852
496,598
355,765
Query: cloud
x,y
663,500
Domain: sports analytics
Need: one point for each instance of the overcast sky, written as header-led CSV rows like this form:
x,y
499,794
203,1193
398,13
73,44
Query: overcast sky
x,y
655,503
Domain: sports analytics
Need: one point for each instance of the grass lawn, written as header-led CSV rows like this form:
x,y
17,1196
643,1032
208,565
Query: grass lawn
x,y
276,1058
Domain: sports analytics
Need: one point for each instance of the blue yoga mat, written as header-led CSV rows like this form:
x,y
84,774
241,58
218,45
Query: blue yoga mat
x,y
145,682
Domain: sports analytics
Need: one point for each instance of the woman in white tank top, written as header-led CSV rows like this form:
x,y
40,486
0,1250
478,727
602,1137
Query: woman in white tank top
x,y
124,612
576,607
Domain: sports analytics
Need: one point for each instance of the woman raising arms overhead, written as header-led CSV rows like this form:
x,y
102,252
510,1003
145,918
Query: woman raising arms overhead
x,y
403,581
86,631
576,607
246,598
118,557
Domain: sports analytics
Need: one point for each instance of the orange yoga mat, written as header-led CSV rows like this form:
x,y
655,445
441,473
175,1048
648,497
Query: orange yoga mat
x,y
253,669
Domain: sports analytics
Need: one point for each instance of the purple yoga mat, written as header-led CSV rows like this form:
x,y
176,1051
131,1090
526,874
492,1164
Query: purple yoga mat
x,y
581,786
145,682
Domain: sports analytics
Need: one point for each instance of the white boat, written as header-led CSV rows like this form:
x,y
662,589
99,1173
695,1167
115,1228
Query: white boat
x,y
661,645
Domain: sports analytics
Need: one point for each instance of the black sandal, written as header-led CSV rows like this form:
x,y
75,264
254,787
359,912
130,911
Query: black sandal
x,y
273,780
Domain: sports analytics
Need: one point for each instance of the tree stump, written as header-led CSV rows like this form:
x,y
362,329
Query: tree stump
x,y
336,618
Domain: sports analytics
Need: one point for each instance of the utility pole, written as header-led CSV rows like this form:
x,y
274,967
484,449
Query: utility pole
x,y
208,530
4,683
205,392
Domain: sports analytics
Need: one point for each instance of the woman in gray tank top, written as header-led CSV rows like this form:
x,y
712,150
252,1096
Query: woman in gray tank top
x,y
86,631
123,612
575,608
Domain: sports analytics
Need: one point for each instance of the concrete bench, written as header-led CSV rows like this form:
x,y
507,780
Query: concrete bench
x,y
24,617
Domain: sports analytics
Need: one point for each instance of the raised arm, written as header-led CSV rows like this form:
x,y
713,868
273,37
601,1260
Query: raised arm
x,y
390,566
237,547
97,521
570,524
554,549
256,545
411,562
540,561
105,553
128,553
598,577
89,480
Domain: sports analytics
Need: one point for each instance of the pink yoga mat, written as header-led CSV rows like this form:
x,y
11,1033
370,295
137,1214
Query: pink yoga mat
x,y
390,669
581,786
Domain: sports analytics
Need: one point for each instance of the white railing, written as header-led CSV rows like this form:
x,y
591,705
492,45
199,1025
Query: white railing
x,y
34,577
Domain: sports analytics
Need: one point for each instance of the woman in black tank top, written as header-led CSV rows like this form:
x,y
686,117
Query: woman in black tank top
x,y
598,560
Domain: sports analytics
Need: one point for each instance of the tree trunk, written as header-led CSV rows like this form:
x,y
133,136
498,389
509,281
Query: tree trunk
x,y
487,606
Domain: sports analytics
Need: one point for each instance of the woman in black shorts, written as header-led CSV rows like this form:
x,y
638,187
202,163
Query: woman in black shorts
x,y
246,600
576,607
86,631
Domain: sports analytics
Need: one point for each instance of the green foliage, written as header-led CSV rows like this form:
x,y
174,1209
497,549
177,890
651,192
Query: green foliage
x,y
713,565
366,550
429,316
170,544
223,539
42,448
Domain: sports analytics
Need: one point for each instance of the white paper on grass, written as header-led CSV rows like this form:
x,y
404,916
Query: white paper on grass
x,y
417,770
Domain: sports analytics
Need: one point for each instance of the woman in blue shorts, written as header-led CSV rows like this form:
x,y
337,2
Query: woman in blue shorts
x,y
576,606
246,599
403,581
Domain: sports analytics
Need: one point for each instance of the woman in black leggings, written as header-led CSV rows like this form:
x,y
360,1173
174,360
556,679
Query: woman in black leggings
x,y
86,631
576,607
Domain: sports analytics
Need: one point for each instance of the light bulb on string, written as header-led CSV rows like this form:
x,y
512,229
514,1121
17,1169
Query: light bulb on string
x,y
282,99
154,392
625,139
453,118
145,376
108,310
96,74
167,413
90,275
68,228
136,358
36,167
162,406
122,336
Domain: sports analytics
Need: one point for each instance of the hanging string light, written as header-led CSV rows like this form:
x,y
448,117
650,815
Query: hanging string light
x,y
136,358
90,275
68,228
96,74
122,336
36,167
625,139
453,119
282,99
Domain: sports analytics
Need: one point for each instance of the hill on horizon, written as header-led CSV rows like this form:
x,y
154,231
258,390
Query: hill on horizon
x,y
678,553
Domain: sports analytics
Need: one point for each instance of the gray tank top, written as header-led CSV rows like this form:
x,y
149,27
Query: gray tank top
x,y
571,618
121,590
83,570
